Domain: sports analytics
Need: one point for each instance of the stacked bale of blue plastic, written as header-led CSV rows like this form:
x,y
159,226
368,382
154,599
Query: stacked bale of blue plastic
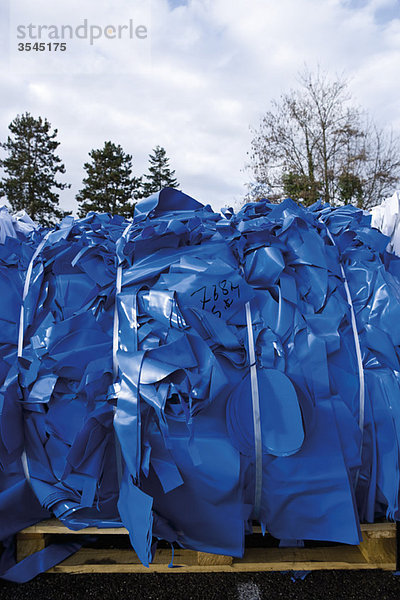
x,y
188,372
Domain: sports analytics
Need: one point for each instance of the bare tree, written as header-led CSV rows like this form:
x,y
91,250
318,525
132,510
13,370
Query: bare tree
x,y
314,143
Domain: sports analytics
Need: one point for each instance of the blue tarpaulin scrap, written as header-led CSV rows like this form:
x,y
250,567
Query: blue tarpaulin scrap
x,y
220,384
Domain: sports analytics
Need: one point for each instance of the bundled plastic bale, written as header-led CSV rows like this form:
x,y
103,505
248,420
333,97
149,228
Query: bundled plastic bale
x,y
343,399
188,372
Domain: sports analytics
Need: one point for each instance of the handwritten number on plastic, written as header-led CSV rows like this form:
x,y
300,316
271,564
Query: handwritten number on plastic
x,y
223,295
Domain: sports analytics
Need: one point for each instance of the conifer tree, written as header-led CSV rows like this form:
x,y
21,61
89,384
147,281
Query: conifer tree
x,y
31,169
109,185
160,174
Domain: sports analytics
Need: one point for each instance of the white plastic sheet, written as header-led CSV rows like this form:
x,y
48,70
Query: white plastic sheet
x,y
386,218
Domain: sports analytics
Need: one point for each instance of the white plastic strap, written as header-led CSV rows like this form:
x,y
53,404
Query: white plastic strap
x,y
118,287
25,293
25,468
21,330
256,412
356,343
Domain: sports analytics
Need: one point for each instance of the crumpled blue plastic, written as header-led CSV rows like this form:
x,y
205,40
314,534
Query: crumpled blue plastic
x,y
167,447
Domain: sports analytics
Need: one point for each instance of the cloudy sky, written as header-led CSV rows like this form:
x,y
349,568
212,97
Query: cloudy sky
x,y
204,74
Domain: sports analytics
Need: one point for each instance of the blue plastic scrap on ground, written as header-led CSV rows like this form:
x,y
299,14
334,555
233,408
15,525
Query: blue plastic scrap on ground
x,y
187,372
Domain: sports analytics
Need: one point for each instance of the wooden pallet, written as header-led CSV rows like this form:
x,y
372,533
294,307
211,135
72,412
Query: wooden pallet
x,y
377,551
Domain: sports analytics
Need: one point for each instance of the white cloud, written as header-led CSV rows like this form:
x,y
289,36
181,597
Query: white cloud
x,y
209,70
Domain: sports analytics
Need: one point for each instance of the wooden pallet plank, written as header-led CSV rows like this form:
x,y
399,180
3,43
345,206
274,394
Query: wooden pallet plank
x,y
206,559
95,561
379,530
375,549
378,550
29,543
53,526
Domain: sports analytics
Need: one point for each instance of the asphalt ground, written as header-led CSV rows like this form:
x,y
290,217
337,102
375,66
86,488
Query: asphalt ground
x,y
319,585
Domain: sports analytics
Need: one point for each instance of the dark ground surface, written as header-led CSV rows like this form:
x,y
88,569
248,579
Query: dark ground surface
x,y
324,585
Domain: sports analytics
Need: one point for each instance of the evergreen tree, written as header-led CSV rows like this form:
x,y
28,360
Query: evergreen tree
x,y
109,185
160,175
301,187
350,188
31,169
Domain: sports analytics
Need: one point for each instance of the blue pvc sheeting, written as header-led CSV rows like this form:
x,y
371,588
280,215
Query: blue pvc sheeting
x,y
210,421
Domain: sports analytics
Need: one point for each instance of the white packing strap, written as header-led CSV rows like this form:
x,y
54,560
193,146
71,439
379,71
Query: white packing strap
x,y
356,343
25,293
118,287
21,330
255,396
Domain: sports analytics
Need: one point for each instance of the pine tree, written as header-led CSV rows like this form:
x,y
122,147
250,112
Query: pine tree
x,y
31,169
160,175
109,185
